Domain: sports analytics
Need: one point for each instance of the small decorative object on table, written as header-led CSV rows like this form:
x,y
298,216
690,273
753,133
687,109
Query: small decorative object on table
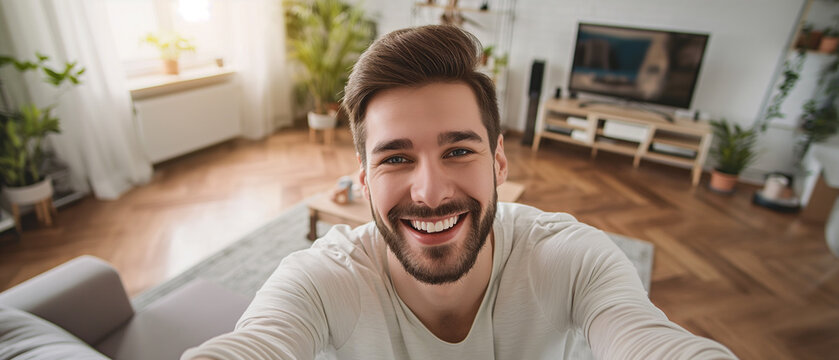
x,y
343,192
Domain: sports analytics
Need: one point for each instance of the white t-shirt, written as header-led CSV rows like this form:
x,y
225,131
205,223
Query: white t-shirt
x,y
551,276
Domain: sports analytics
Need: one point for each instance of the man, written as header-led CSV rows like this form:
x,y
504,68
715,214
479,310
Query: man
x,y
444,272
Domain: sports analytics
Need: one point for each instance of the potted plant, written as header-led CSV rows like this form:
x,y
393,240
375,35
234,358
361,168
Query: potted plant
x,y
733,152
170,45
486,54
22,134
498,65
817,124
829,41
809,38
325,38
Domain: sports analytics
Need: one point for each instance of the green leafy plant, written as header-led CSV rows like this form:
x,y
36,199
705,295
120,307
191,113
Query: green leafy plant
x,y
734,148
22,132
54,77
488,50
817,124
792,71
22,154
499,63
170,45
486,53
326,37
820,118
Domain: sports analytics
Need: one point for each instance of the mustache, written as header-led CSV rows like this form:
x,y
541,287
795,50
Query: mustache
x,y
413,210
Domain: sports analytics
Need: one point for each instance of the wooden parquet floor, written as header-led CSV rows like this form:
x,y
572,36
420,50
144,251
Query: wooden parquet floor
x,y
760,282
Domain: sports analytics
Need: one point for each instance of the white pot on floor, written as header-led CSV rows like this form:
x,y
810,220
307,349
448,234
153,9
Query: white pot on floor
x,y
322,121
30,194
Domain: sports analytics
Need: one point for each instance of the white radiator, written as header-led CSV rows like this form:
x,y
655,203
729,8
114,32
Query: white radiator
x,y
181,122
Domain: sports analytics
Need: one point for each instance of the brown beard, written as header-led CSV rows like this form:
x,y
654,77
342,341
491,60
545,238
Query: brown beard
x,y
448,264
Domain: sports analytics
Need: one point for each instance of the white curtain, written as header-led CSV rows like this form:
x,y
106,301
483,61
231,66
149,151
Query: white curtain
x,y
258,43
99,138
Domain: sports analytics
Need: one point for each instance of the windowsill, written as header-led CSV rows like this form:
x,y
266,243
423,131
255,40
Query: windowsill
x,y
143,87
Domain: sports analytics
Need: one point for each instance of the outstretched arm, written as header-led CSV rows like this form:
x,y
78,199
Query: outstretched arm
x,y
608,302
286,320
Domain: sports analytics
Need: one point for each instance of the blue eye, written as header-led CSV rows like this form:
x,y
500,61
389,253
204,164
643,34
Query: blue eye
x,y
395,160
459,152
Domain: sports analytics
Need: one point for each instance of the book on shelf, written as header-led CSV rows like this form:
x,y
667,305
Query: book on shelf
x,y
558,129
673,150
576,121
580,135
625,131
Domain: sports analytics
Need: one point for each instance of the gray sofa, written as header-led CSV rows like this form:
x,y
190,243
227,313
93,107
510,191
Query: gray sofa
x,y
80,310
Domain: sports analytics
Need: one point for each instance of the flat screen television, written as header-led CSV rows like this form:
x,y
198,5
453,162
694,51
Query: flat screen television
x,y
645,65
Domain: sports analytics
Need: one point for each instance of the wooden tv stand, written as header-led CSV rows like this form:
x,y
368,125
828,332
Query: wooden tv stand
x,y
683,143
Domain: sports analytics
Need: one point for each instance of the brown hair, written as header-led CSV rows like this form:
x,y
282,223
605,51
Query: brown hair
x,y
415,57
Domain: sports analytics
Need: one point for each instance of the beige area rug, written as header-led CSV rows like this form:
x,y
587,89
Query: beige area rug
x,y
244,265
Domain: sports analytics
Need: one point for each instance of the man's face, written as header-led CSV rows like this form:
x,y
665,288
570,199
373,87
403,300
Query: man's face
x,y
431,174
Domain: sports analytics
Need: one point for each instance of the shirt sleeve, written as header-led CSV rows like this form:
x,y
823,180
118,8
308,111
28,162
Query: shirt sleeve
x,y
288,317
581,276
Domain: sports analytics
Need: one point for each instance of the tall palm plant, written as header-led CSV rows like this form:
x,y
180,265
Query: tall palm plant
x,y
326,37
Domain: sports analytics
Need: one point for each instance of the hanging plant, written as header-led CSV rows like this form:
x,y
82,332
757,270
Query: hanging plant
x,y
820,119
792,71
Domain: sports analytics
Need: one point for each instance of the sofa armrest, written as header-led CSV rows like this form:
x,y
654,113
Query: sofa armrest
x,y
84,296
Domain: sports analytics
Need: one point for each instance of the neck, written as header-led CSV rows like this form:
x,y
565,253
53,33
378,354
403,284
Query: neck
x,y
447,310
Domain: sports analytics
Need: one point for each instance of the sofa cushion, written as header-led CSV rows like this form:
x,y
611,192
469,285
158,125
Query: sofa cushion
x,y
182,319
84,296
26,336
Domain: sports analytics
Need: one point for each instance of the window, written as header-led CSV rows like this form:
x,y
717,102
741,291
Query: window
x,y
201,21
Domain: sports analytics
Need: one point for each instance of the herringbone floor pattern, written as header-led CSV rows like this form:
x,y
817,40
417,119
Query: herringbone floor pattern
x,y
762,283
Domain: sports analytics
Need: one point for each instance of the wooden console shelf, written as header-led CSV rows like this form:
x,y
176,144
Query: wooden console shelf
x,y
640,134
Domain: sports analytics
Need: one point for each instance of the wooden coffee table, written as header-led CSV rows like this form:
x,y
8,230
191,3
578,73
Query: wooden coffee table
x,y
356,213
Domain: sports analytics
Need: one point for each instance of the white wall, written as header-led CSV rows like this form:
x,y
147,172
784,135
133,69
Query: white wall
x,y
777,146
748,40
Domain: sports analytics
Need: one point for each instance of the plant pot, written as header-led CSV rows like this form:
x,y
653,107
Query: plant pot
x,y
170,67
828,44
722,182
812,40
30,194
322,121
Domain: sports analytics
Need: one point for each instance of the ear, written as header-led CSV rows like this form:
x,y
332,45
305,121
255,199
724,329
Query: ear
x,y
362,176
500,162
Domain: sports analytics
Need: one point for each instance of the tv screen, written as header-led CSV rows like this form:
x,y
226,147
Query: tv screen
x,y
653,66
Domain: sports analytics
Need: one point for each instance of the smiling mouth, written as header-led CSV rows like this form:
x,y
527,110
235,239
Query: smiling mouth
x,y
437,226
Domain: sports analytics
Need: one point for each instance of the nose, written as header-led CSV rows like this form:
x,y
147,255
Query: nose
x,y
431,185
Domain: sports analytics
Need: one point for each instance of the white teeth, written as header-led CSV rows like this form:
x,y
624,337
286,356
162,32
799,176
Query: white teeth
x,y
433,227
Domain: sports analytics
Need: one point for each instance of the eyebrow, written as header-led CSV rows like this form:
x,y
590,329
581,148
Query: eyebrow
x,y
452,137
397,144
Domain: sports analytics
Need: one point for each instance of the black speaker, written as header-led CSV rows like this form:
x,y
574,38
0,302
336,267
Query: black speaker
x,y
537,71
534,92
